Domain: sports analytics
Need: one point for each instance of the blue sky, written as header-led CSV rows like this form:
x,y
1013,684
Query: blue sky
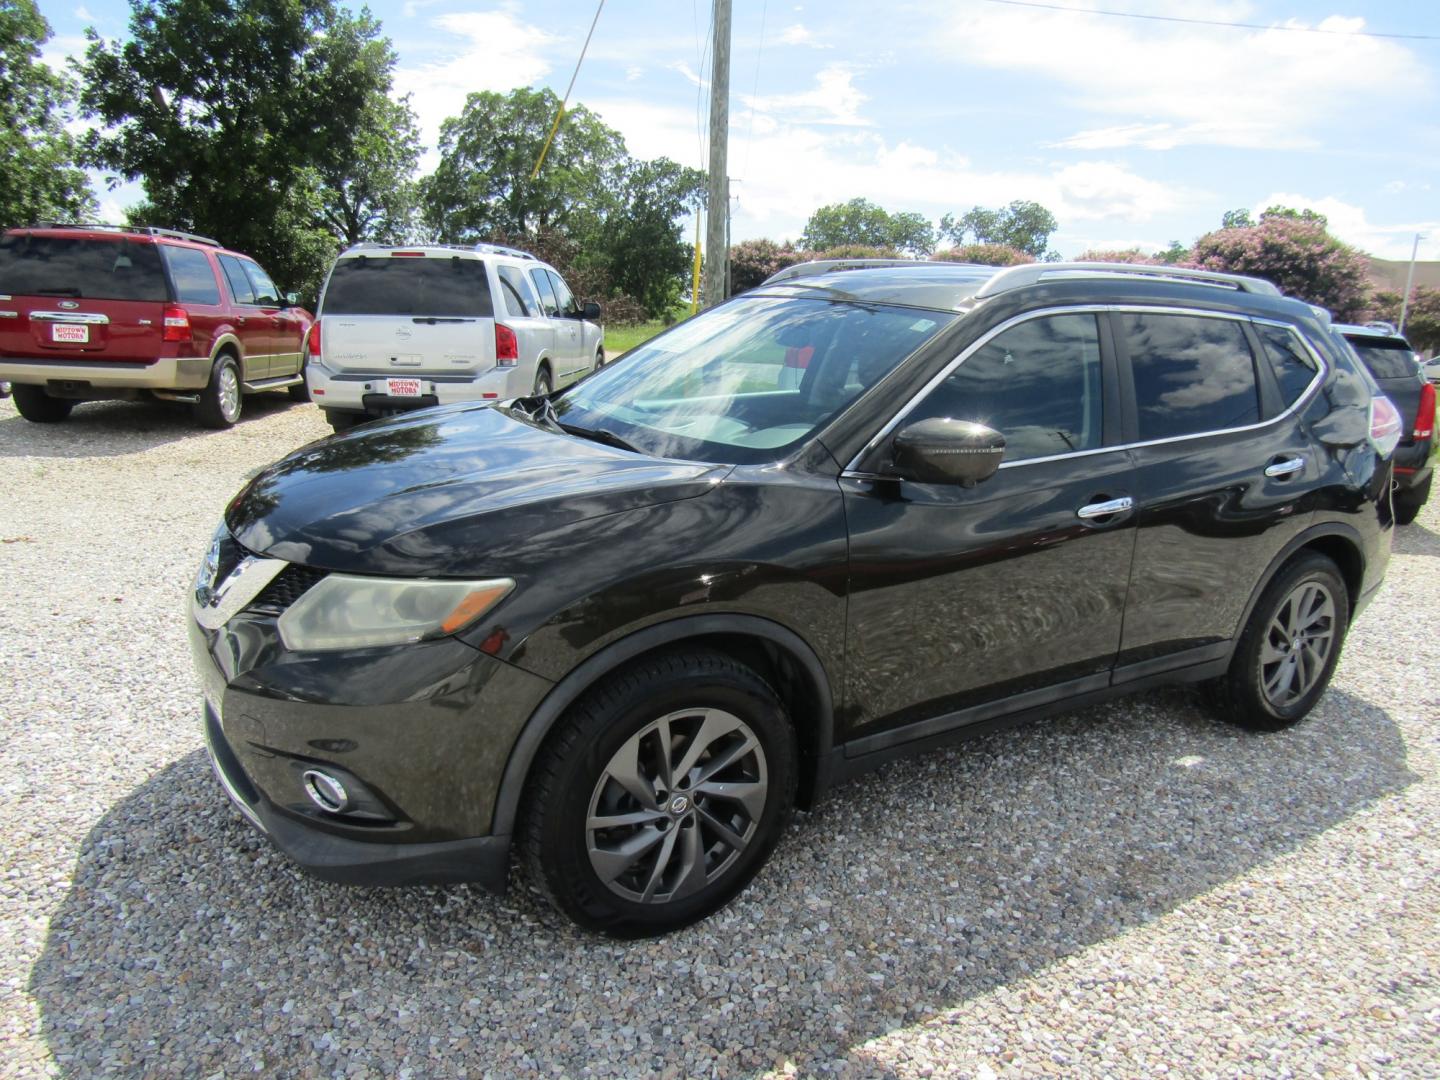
x,y
1132,131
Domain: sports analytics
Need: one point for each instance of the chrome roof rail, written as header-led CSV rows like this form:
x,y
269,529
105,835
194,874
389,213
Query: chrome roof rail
x,y
1018,277
141,230
830,266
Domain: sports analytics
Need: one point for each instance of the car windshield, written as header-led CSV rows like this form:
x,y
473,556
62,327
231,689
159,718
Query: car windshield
x,y
1386,359
749,380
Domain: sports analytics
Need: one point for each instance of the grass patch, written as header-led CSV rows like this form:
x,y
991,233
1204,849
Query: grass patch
x,y
621,339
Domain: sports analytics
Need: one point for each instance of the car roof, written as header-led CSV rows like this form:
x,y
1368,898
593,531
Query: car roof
x,y
1372,333
137,234
951,286
435,251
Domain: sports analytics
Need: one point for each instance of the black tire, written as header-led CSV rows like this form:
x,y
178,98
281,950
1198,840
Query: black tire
x,y
690,692
1408,501
599,359
298,392
222,400
1256,692
35,405
340,420
544,384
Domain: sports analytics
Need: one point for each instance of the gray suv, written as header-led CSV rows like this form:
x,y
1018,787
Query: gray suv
x,y
402,328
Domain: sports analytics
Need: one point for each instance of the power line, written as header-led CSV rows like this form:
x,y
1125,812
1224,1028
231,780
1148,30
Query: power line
x,y
566,99
755,90
1212,22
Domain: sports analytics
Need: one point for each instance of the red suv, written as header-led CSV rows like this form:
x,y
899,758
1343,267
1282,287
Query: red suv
x,y
90,313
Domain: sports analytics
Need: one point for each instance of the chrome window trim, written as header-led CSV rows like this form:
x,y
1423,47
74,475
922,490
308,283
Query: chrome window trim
x,y
1322,371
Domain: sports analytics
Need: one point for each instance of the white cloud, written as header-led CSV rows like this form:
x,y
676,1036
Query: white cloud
x,y
798,34
1351,224
83,14
834,99
1185,85
485,50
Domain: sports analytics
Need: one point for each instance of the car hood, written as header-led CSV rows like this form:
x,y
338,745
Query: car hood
x,y
450,492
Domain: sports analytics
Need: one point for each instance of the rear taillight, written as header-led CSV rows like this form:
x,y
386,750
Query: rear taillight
x,y
177,324
507,346
312,340
1385,425
1425,418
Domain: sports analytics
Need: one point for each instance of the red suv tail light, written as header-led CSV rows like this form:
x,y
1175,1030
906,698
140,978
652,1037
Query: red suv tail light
x,y
1385,425
312,340
507,346
1425,418
177,324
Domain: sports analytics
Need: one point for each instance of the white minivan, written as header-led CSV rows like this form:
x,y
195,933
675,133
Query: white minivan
x,y
401,328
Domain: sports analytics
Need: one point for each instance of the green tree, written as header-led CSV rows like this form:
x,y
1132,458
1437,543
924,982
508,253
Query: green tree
x,y
861,222
1236,219
229,111
483,183
985,255
370,192
1422,319
645,253
1023,225
39,180
1297,254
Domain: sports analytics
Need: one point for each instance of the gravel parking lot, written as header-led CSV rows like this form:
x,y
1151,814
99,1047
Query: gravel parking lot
x,y
1127,890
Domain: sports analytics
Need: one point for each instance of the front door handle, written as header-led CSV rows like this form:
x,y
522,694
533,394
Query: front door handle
x,y
1288,467
1105,509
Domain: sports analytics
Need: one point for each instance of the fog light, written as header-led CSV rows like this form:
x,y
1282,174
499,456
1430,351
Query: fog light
x,y
325,791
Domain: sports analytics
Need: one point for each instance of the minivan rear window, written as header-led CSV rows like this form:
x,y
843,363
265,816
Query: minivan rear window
x,y
82,268
1386,359
387,285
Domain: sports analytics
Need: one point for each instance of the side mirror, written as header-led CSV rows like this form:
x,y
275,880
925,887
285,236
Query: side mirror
x,y
591,311
945,451
293,299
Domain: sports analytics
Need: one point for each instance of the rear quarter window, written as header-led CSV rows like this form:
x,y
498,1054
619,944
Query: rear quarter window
x,y
81,268
1294,367
190,271
384,285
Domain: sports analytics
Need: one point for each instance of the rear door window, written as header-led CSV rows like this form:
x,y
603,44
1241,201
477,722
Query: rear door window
x,y
519,297
93,269
546,291
386,285
1386,359
190,271
1192,374
1038,384
1294,367
240,287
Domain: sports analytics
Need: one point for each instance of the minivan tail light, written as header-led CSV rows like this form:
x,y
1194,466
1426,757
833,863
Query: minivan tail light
x,y
1385,425
1425,418
312,340
177,324
507,346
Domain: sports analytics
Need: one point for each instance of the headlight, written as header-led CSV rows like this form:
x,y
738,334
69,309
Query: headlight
x,y
342,612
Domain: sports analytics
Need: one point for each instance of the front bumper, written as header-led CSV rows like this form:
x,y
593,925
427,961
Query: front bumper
x,y
483,860
420,735
182,373
366,393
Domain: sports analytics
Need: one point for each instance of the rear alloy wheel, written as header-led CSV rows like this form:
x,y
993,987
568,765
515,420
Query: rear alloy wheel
x,y
35,405
1289,648
1408,501
220,402
661,795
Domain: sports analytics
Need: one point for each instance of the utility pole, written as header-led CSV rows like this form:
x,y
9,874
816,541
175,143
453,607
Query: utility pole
x,y
1409,282
717,211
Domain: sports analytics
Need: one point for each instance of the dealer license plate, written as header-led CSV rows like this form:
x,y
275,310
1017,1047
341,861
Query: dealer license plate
x,y
402,387
70,332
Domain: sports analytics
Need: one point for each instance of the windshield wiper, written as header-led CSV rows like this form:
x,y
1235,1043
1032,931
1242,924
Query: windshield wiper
x,y
600,435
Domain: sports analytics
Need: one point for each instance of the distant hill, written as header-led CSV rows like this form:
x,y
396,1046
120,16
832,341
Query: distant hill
x,y
1389,276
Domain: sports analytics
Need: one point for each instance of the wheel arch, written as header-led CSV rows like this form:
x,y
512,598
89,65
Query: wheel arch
x,y
780,656
1338,542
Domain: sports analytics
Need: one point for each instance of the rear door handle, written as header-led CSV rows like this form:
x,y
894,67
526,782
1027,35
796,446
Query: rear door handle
x,y
1105,509
1288,467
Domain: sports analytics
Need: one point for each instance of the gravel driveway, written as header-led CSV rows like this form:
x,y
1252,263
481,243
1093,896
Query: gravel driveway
x,y
1126,890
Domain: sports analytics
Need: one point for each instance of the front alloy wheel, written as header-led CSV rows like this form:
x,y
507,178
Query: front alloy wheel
x,y
660,794
676,805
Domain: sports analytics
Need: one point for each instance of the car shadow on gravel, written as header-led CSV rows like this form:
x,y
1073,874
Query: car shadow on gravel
x,y
1415,539
117,428
185,946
